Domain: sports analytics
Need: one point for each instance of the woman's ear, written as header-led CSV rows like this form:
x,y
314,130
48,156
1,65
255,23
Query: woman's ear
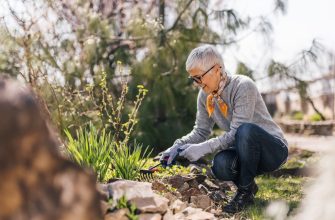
x,y
218,71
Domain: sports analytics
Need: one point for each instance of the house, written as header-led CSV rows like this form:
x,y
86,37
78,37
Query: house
x,y
284,99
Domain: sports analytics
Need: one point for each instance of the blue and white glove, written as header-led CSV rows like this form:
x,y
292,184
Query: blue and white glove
x,y
170,154
194,152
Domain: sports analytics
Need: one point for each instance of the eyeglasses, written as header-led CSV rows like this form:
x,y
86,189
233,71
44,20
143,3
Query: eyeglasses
x,y
197,79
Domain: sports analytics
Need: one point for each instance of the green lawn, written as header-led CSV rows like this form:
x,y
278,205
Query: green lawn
x,y
288,189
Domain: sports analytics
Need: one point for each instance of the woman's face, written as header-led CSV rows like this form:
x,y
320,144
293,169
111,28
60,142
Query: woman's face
x,y
208,81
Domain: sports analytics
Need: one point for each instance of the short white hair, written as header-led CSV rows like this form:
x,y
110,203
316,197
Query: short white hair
x,y
204,57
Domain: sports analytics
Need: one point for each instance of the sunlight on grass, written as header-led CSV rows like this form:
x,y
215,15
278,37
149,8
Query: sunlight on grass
x,y
288,189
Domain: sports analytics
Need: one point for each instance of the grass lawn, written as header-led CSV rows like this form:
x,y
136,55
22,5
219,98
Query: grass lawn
x,y
288,189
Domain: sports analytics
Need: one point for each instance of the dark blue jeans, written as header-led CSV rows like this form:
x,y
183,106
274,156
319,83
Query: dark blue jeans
x,y
254,152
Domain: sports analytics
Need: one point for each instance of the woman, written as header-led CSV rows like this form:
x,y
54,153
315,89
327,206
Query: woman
x,y
252,143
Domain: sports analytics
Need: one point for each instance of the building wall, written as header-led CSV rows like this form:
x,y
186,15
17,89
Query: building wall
x,y
287,101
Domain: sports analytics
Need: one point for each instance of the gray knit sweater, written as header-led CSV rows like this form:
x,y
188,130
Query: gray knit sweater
x,y
245,105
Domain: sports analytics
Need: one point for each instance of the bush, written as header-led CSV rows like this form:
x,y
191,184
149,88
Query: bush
x,y
106,150
298,115
91,149
315,117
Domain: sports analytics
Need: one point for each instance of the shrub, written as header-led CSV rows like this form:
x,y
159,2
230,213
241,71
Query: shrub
x,y
315,117
107,148
91,148
298,116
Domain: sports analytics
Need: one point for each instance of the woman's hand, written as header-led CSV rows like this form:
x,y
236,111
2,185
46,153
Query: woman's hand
x,y
194,152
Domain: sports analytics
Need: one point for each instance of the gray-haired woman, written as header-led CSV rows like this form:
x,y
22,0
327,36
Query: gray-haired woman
x,y
252,143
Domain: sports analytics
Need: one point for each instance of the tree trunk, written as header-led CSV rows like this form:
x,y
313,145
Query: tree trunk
x,y
162,17
315,109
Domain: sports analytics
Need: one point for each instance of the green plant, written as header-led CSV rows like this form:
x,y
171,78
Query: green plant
x,y
127,161
115,116
91,148
315,117
298,115
123,203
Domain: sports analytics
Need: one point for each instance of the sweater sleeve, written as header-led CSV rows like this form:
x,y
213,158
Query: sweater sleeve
x,y
244,102
203,124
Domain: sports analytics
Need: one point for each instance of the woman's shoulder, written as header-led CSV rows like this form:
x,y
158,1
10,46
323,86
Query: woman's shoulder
x,y
237,78
241,82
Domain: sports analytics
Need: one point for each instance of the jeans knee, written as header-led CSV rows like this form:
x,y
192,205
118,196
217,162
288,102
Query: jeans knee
x,y
245,133
225,165
244,130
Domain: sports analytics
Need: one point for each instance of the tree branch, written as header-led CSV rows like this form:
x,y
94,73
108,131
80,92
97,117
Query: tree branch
x,y
179,16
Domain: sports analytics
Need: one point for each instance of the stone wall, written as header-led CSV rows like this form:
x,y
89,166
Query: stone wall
x,y
325,128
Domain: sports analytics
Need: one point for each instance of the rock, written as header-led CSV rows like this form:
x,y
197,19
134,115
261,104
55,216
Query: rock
x,y
120,214
103,191
105,207
178,206
39,182
191,192
210,185
168,215
216,212
193,183
201,201
227,186
151,204
159,186
217,196
194,214
177,181
170,197
148,216
195,169
200,178
130,189
183,188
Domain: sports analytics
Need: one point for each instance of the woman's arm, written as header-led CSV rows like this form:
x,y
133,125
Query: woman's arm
x,y
203,124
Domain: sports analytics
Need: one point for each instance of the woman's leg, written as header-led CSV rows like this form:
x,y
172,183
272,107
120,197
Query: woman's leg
x,y
225,165
258,152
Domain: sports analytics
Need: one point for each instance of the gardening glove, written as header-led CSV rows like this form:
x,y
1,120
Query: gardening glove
x,y
170,154
194,152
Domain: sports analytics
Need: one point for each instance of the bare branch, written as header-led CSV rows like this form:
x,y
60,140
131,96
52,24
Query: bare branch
x,y
179,16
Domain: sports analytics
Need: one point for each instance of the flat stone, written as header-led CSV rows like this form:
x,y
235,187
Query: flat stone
x,y
149,216
191,192
130,189
178,206
193,183
168,215
184,187
103,191
105,206
153,204
120,214
170,197
159,186
201,201
197,214
210,185
176,181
